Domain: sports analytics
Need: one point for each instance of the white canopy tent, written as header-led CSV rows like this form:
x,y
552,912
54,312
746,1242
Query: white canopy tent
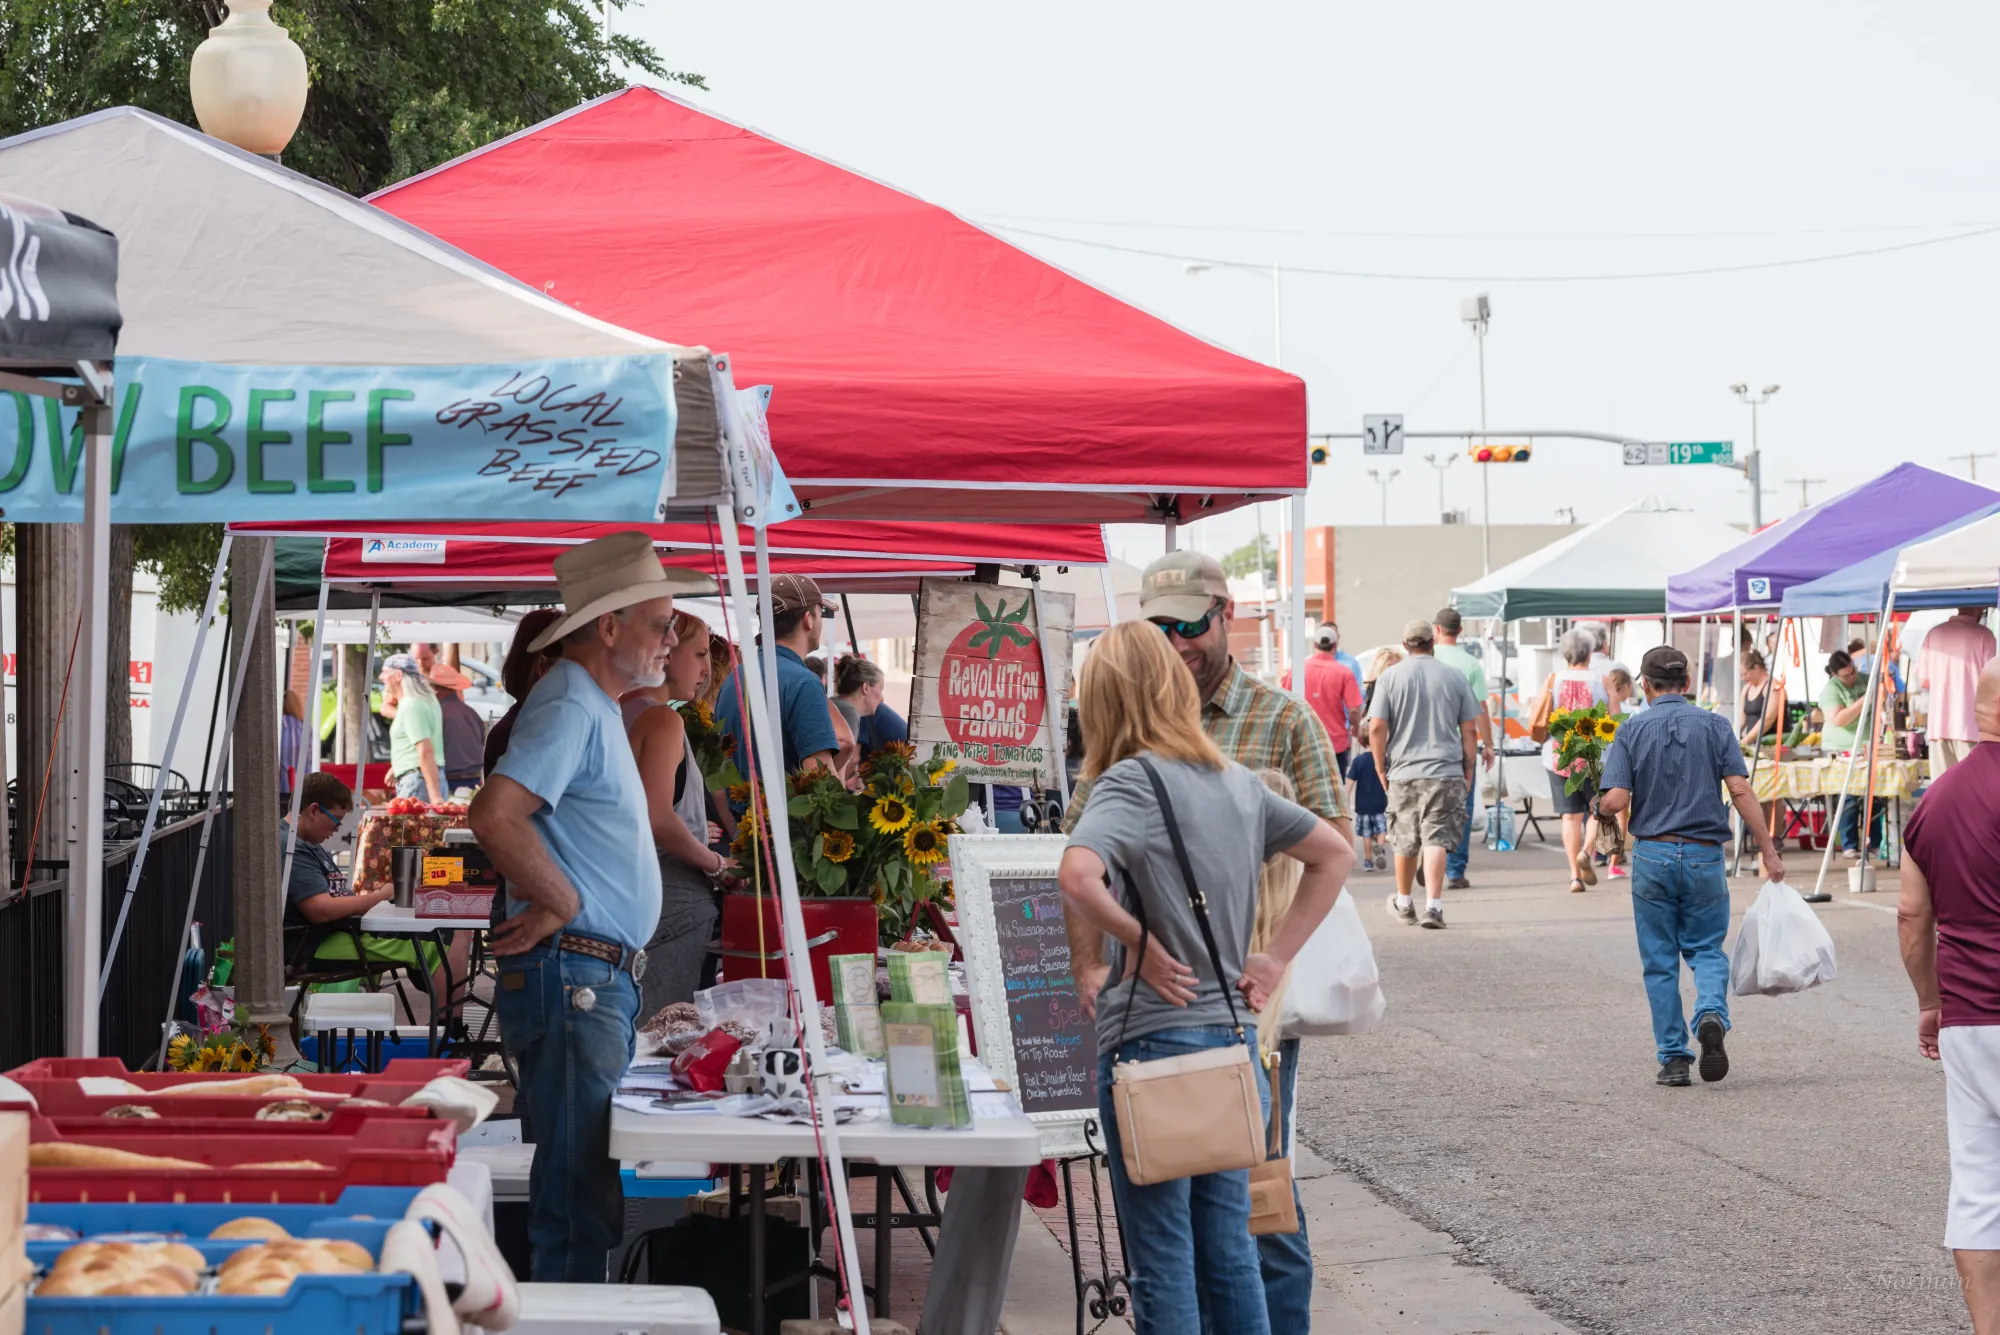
x,y
1967,558
1615,567
441,625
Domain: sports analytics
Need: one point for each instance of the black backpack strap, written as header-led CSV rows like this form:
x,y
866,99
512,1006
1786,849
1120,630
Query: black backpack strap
x,y
1196,900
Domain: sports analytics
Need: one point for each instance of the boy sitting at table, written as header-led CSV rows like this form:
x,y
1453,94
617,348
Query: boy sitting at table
x,y
320,894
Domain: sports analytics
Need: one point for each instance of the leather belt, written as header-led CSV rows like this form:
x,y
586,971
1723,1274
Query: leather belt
x,y
617,956
1679,839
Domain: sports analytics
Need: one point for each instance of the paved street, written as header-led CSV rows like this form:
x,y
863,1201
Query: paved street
x,y
1508,1100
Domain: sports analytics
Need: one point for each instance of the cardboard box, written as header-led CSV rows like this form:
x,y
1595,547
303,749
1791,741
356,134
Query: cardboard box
x,y
924,1082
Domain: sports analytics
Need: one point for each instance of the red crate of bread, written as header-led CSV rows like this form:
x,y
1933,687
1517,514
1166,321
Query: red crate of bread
x,y
345,1124
400,1070
133,1164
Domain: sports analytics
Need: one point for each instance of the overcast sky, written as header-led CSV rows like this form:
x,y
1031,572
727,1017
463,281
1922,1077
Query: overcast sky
x,y
1484,144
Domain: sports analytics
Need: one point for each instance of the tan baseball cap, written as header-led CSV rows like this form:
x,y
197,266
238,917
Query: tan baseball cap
x,y
1418,631
1181,586
797,593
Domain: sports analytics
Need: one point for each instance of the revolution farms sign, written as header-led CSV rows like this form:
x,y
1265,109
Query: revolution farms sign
x,y
980,695
589,438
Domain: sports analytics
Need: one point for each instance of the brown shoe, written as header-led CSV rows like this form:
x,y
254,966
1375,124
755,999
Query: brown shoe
x,y
1585,872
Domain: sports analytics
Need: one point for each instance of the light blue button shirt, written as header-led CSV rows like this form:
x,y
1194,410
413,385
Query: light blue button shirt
x,y
569,749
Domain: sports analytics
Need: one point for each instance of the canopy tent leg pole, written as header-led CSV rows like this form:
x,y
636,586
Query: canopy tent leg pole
x,y
767,624
1500,731
1296,639
367,682
215,794
1054,697
339,705
770,761
1173,532
1847,777
847,613
1736,817
1110,596
308,746
1878,679
166,762
215,698
83,916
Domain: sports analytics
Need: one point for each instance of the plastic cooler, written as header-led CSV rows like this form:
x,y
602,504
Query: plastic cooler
x,y
350,1304
368,1157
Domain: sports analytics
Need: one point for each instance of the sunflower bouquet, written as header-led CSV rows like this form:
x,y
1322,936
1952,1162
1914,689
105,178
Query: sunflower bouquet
x,y
714,749
234,1049
884,840
1581,736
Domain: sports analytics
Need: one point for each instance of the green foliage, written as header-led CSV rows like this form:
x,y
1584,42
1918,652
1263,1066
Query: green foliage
x,y
1243,562
398,86
183,558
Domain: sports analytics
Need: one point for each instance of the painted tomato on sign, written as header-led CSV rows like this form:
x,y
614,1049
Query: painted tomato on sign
x,y
990,681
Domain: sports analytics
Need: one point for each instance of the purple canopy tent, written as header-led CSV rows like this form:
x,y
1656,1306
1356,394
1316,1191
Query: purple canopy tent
x,y
1904,503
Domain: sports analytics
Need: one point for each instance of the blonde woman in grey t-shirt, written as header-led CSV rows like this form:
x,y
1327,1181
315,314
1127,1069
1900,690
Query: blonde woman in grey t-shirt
x,y
1136,700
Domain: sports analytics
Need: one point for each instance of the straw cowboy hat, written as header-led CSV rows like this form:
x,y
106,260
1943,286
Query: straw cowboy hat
x,y
612,573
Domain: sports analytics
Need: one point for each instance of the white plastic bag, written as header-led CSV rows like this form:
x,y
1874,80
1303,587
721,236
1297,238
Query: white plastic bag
x,y
1334,987
1782,946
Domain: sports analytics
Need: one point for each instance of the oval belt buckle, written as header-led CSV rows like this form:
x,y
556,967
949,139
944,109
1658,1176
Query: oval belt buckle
x,y
584,999
638,965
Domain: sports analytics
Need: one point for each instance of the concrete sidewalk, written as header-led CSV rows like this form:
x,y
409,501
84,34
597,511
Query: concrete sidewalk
x,y
1376,1270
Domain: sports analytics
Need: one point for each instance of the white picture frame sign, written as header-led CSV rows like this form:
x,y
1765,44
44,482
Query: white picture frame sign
x,y
1054,1071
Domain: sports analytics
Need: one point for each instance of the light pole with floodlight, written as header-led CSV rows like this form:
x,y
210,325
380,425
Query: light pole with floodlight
x,y
1753,465
1383,483
1478,312
1440,464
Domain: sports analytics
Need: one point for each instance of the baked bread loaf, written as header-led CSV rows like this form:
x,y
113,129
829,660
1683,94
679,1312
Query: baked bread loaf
x,y
124,1269
285,1163
130,1110
292,1110
248,1085
249,1226
74,1154
259,1281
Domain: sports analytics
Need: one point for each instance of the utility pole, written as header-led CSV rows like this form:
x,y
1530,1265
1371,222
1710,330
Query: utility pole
x,y
1383,483
1803,483
1971,462
1753,463
1478,312
1441,465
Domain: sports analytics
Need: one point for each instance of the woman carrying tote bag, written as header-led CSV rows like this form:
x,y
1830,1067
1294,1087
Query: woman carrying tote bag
x,y
1182,835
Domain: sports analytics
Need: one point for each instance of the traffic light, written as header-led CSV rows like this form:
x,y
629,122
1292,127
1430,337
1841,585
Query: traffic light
x,y
1317,454
1499,454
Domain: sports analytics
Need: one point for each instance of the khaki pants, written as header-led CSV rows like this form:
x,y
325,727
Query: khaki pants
x,y
1946,752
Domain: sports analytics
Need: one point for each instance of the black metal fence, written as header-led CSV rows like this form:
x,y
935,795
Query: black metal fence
x,y
135,999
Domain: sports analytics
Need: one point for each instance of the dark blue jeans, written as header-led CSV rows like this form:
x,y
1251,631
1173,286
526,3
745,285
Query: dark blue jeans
x,y
570,1062
1850,824
1456,861
1680,904
1187,1242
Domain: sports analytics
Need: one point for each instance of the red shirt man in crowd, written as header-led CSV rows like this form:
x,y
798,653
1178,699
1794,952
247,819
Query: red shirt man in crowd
x,y
1949,922
1332,693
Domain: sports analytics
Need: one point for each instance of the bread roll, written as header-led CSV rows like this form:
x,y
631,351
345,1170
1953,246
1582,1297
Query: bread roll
x,y
72,1154
151,1284
130,1110
180,1254
292,1110
69,1284
249,1085
285,1164
249,1226
352,1254
267,1279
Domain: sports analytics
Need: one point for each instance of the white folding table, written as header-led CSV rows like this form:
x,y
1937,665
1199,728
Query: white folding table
x,y
398,920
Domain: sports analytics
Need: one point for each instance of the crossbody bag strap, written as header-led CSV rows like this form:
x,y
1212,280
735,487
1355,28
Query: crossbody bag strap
x,y
1139,912
1196,900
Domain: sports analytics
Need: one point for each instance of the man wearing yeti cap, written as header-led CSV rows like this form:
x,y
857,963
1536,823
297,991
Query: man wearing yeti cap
x,y
1668,768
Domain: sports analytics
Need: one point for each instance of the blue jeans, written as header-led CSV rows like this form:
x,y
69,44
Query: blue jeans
x,y
570,1062
1680,903
1850,824
1456,860
410,783
1286,1258
1191,1234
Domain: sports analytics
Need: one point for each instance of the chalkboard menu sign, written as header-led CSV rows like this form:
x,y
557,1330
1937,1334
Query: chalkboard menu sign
x,y
1031,1027
1055,1047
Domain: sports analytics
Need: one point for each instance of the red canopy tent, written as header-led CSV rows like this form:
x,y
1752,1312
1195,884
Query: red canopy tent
x,y
914,357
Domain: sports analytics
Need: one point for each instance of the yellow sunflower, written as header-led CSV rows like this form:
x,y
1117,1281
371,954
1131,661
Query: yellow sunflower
x,y
902,750
891,814
1607,728
703,714
946,765
177,1051
924,844
739,793
837,845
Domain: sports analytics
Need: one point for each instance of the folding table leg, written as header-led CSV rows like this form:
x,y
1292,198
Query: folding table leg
x,y
885,1234
757,1258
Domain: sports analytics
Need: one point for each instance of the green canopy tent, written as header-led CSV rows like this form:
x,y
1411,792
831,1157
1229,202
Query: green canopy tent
x,y
1616,567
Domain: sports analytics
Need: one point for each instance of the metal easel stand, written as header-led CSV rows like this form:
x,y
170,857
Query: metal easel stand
x,y
1104,1293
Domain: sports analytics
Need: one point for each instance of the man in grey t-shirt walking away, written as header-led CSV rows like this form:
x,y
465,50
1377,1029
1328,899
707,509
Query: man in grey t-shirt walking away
x,y
1423,728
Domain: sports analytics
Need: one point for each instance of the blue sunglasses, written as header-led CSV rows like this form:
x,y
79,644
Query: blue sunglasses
x,y
1188,630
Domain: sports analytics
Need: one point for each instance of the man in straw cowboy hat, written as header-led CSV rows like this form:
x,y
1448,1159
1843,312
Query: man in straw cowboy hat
x,y
563,817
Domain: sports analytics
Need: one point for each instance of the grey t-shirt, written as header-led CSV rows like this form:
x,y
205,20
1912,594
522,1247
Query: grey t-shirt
x,y
1423,701
1230,823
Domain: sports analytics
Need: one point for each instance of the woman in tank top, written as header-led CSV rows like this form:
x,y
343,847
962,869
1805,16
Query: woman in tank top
x,y
676,802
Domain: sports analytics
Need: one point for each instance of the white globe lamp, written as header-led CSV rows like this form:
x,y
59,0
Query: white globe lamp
x,y
248,80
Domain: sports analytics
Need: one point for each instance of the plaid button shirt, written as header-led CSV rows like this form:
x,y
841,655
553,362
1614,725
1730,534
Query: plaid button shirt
x,y
1260,727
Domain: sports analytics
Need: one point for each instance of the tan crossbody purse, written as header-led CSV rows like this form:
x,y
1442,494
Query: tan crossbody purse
x,y
1185,1116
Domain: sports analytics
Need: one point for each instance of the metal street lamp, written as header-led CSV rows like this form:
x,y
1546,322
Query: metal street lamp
x,y
1753,464
1478,312
1383,483
1441,464
248,80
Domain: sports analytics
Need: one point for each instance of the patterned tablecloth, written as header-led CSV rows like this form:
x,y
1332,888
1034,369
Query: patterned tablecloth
x,y
380,833
1798,779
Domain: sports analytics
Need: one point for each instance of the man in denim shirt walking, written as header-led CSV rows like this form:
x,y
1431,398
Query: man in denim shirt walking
x,y
1668,767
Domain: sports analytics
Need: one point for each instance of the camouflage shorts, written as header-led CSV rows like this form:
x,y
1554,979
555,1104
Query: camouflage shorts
x,y
1426,813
